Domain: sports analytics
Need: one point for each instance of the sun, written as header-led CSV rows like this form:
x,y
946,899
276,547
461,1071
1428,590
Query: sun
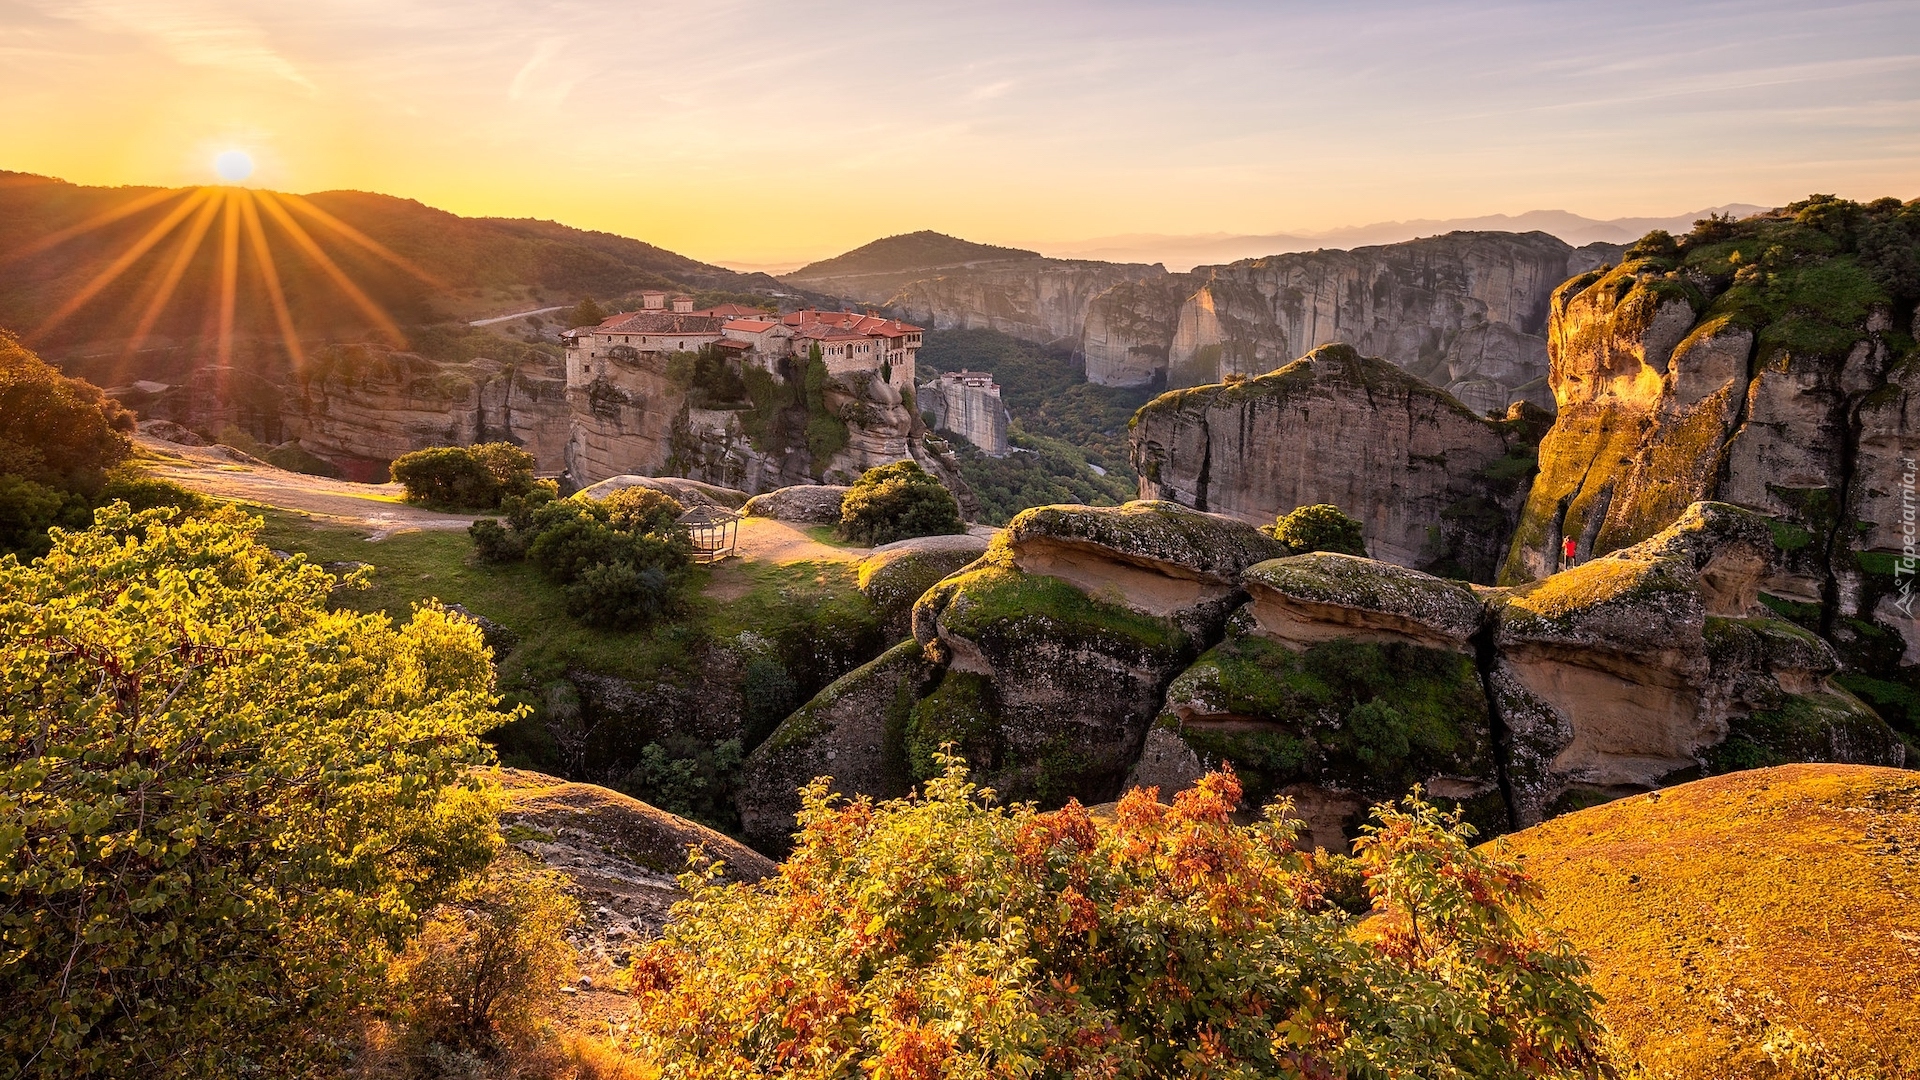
x,y
233,165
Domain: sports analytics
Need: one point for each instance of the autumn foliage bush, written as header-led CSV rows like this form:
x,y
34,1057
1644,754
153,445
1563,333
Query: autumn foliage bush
x,y
944,936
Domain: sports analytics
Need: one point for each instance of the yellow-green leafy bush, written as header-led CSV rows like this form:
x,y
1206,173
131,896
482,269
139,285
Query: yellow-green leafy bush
x,y
220,802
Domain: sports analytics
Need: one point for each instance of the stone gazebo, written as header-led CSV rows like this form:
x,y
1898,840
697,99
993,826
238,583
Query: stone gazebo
x,y
714,531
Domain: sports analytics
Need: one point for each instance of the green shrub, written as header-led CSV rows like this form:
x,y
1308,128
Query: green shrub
x,y
224,802
898,501
495,544
1321,527
474,477
144,492
685,776
619,596
29,509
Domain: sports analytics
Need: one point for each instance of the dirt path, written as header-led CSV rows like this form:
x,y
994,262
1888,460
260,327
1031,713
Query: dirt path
x,y
764,540
211,471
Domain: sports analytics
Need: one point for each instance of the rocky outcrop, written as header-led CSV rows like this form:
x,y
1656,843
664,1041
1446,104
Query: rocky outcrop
x,y
364,405
1147,643
851,731
687,492
1129,330
1045,658
1434,485
1760,363
896,575
808,504
618,854
1029,297
1465,312
1648,665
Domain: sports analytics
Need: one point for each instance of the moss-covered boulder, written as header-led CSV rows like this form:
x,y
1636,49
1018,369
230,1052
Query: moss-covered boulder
x,y
1157,558
853,731
1340,722
1309,598
1053,687
897,574
802,504
685,492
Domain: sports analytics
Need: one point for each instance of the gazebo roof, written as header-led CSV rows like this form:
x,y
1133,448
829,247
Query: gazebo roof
x,y
707,515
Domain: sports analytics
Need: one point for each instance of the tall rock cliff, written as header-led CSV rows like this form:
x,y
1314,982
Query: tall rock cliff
x,y
361,404
1767,363
1435,485
1464,311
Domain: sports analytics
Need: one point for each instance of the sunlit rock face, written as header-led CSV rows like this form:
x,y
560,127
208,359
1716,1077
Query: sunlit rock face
x,y
1433,484
1451,309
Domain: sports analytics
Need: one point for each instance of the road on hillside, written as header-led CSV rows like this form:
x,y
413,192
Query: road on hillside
x,y
516,315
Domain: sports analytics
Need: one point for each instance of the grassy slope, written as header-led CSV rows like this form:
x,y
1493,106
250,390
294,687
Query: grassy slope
x,y
415,566
1761,924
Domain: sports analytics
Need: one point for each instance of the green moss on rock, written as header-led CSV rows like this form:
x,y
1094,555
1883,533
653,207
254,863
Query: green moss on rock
x,y
1152,531
1448,608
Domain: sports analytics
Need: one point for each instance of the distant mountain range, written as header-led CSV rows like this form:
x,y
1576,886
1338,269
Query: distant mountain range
x,y
1185,252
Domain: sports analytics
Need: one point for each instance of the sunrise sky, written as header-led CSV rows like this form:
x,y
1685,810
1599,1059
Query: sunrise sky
x,y
775,132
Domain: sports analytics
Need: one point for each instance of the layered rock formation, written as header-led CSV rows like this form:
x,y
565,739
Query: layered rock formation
x,y
1435,485
1150,642
1465,311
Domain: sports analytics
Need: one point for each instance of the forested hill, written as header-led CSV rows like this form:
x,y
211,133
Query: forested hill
x,y
923,250
470,267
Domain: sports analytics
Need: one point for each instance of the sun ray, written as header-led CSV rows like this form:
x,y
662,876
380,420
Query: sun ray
x,y
354,292
300,203
118,266
105,217
229,276
257,239
190,245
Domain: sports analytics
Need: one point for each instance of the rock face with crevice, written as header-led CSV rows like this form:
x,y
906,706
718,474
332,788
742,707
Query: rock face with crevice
x,y
1763,363
1434,485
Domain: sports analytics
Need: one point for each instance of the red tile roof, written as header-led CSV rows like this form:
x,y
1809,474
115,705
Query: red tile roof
x,y
751,326
733,311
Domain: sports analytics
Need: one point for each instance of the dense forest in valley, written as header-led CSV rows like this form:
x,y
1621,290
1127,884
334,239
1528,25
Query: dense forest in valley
x,y
1062,424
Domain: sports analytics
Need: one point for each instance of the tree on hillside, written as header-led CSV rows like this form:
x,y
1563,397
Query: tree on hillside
x,y
943,936
221,803
59,438
586,313
897,501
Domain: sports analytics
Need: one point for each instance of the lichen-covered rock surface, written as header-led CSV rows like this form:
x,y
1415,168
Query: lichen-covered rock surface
x,y
852,731
805,504
688,493
896,575
1314,596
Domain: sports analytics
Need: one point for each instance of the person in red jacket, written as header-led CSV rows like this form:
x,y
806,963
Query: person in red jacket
x,y
1567,549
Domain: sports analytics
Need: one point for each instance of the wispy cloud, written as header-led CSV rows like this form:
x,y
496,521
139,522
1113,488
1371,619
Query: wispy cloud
x,y
196,32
